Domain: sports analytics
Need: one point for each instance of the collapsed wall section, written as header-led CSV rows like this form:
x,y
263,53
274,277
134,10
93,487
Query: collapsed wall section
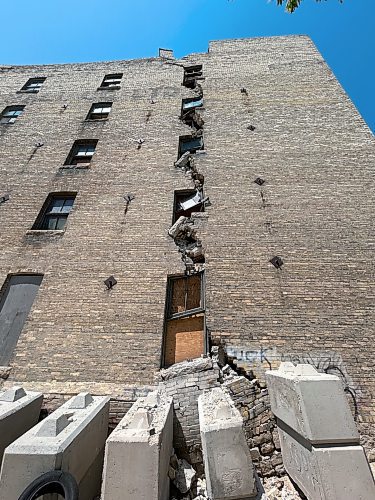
x,y
185,382
252,400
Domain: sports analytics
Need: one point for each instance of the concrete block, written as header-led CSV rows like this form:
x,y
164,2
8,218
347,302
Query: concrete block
x,y
137,452
311,403
71,439
228,465
332,473
19,411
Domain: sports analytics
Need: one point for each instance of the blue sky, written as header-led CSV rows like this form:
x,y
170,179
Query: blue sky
x,y
56,31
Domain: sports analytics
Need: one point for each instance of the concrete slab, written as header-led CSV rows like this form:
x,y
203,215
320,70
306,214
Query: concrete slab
x,y
228,465
19,411
138,451
71,439
335,473
311,403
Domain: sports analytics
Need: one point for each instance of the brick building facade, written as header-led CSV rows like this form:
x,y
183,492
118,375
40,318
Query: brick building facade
x,y
286,163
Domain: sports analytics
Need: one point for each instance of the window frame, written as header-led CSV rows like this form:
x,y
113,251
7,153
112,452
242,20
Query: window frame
x,y
192,74
38,84
74,157
189,138
45,214
111,76
17,108
169,297
191,313
178,193
99,116
195,68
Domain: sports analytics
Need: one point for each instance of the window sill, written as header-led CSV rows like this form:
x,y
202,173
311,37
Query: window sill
x,y
199,215
89,120
186,314
195,108
194,153
46,232
79,166
192,79
116,87
27,91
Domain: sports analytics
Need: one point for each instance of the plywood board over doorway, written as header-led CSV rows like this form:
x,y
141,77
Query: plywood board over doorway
x,y
184,339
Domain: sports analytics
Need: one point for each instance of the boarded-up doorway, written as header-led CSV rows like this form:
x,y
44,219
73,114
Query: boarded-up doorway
x,y
185,320
17,297
184,339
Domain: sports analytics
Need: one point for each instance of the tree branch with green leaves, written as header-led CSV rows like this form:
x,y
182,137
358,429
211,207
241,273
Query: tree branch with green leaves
x,y
291,5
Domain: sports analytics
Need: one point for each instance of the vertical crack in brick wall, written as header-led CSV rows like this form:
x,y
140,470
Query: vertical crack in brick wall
x,y
185,332
183,230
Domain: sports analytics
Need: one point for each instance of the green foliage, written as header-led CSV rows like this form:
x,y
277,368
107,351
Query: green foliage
x,y
291,5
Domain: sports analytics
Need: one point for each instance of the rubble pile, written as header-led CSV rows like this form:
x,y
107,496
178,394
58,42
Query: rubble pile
x,y
280,489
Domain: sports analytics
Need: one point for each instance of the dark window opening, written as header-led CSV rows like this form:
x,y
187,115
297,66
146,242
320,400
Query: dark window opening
x,y
112,81
33,85
81,152
191,75
99,111
11,113
184,334
188,112
186,202
16,299
55,212
189,143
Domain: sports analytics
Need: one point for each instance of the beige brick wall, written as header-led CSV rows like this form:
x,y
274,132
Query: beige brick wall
x,y
315,210
78,331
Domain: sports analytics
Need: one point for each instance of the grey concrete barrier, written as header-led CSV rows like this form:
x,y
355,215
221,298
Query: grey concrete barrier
x,y
71,439
311,403
138,451
19,411
228,465
329,473
318,435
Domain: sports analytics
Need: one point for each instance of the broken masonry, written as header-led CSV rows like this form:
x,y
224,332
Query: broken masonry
x,y
183,231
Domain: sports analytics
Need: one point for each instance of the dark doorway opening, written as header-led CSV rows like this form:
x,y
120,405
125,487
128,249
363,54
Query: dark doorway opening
x,y
16,298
